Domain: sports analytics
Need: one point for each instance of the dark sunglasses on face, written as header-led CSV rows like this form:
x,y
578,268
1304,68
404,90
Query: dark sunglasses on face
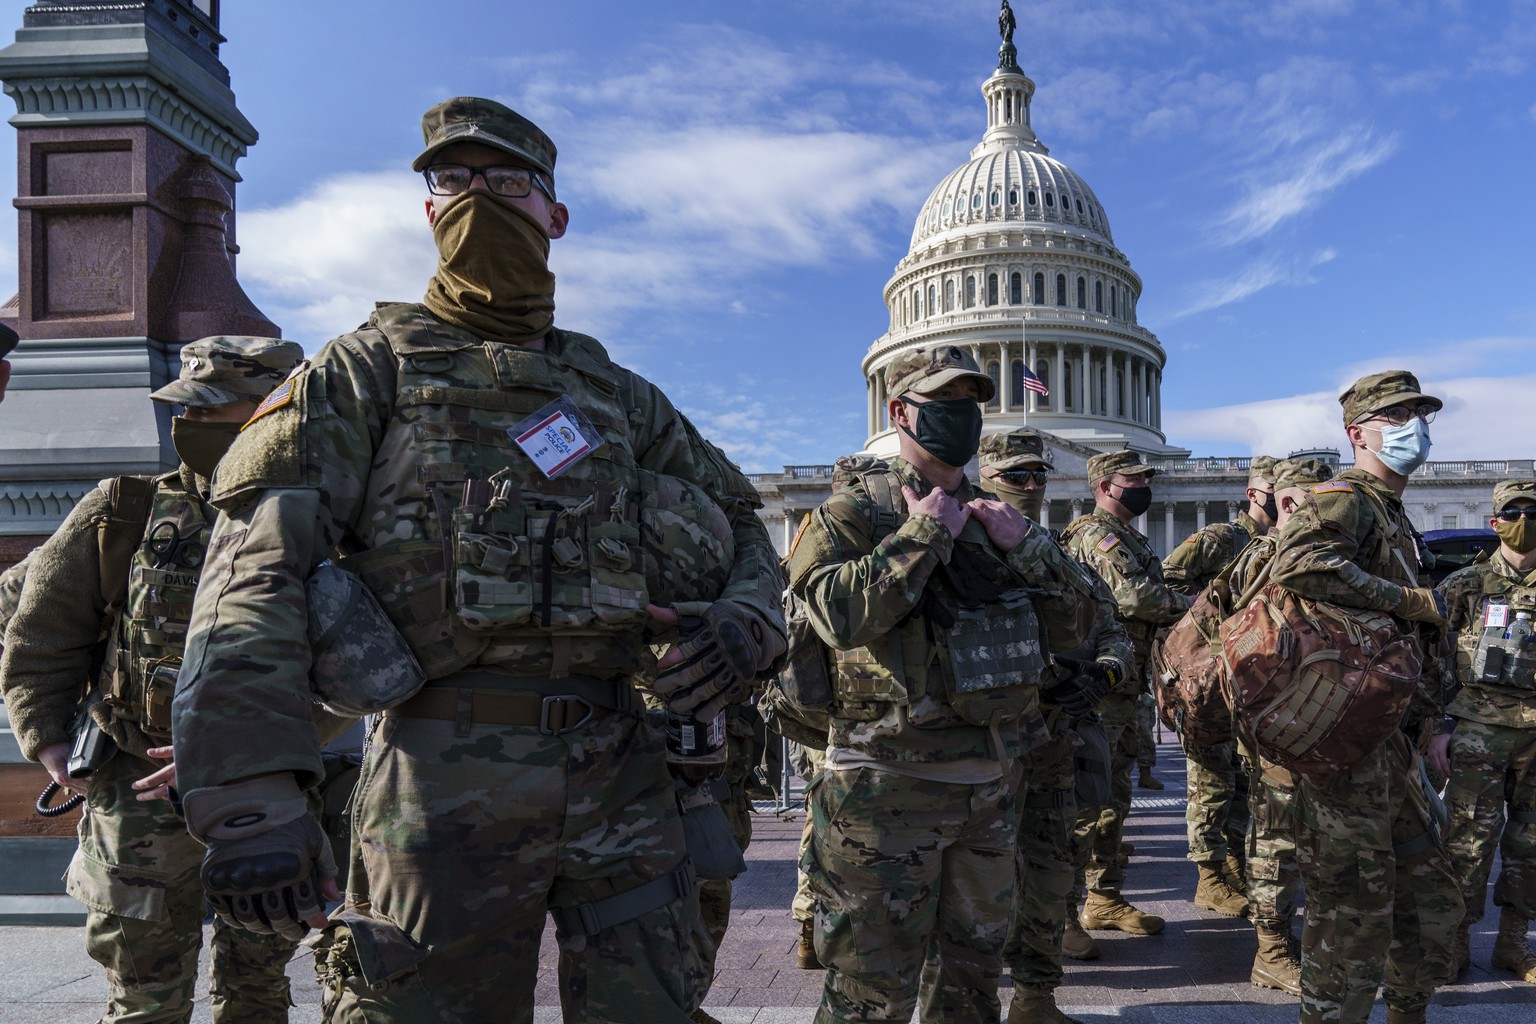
x,y
1020,477
1510,515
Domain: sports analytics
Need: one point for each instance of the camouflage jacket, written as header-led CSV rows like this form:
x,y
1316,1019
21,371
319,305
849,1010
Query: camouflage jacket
x,y
1204,553
1468,592
368,450
62,615
1250,564
1125,561
864,594
1107,641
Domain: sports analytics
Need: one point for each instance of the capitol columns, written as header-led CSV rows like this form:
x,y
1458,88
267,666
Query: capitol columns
x,y
1168,507
1200,515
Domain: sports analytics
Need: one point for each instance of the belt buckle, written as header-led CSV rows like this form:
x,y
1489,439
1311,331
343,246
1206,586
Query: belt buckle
x,y
549,702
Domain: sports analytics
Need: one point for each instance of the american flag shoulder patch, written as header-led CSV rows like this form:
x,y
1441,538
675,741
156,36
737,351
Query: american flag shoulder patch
x,y
1333,487
798,534
1108,544
276,400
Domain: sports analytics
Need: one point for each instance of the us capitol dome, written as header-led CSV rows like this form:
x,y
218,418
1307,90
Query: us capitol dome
x,y
1012,257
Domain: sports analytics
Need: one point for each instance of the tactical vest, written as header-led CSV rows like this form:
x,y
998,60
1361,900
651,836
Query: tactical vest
x,y
469,546
139,678
1505,652
952,660
1141,632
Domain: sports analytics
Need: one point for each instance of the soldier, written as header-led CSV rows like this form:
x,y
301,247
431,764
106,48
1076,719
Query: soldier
x,y
915,580
1125,561
136,868
1216,814
491,478
1492,752
1016,467
1146,744
1270,867
1379,887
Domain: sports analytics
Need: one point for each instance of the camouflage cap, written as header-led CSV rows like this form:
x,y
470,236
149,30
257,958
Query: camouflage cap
x,y
1300,473
1125,462
1262,467
927,368
848,468
225,368
1506,491
1377,391
1023,447
472,119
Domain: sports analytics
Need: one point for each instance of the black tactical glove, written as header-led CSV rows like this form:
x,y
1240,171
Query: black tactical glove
x,y
266,856
1079,695
722,657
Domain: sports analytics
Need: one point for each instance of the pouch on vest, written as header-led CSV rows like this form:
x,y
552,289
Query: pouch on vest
x,y
1506,654
360,663
159,688
1092,760
995,657
795,702
707,833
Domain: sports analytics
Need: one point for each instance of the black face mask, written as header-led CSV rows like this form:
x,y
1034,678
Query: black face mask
x,y
1269,507
948,429
1135,499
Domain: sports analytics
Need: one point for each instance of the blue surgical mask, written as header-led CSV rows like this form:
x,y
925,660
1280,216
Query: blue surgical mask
x,y
1404,448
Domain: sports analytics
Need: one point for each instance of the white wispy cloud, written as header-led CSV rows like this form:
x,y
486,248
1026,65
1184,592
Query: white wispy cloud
x,y
1264,273
1324,169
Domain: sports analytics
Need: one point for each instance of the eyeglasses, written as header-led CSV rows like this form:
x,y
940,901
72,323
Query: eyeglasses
x,y
513,182
1510,515
1397,415
1020,477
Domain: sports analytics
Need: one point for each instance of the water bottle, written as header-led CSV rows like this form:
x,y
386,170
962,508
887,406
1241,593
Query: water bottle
x,y
698,742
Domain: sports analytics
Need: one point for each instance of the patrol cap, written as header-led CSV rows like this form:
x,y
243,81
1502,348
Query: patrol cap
x,y
1506,491
1125,462
1263,468
226,368
1013,449
927,368
1377,391
1290,473
8,340
848,468
472,119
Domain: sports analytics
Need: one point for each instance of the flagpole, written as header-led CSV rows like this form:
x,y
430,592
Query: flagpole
x,y
1024,360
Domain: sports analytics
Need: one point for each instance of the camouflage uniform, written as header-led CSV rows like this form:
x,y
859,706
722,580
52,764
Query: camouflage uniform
x,y
522,780
1216,814
731,790
1380,891
1491,796
136,868
912,855
1046,803
1124,559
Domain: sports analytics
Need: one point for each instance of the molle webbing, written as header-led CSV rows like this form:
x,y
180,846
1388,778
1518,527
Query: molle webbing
x,y
592,918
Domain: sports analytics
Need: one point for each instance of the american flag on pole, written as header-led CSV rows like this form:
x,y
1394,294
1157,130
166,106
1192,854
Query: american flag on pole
x,y
1033,383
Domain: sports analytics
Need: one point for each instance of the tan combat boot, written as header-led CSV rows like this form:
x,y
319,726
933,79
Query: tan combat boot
x,y
1149,781
1213,892
1277,964
1036,1006
1461,950
805,956
1510,951
1077,944
1107,910
1236,873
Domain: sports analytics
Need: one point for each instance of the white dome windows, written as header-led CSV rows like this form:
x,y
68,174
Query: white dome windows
x,y
1082,293
1016,288
991,289
1061,289
1039,296
970,290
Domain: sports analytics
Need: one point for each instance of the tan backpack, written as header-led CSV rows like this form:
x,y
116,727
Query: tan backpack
x,y
1187,669
1317,686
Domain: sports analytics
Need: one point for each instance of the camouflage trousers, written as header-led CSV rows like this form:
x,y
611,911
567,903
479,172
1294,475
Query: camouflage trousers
x,y
1371,909
1273,878
1492,801
807,762
1216,811
912,880
1146,738
469,834
1099,830
136,871
1046,812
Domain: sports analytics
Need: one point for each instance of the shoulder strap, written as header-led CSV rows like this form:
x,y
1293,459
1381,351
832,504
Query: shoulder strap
x,y
120,533
884,490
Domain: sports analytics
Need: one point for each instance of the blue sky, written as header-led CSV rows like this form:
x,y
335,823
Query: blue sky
x,y
1310,189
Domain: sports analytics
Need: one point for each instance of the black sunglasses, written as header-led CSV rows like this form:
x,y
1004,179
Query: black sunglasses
x,y
1023,476
1510,515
